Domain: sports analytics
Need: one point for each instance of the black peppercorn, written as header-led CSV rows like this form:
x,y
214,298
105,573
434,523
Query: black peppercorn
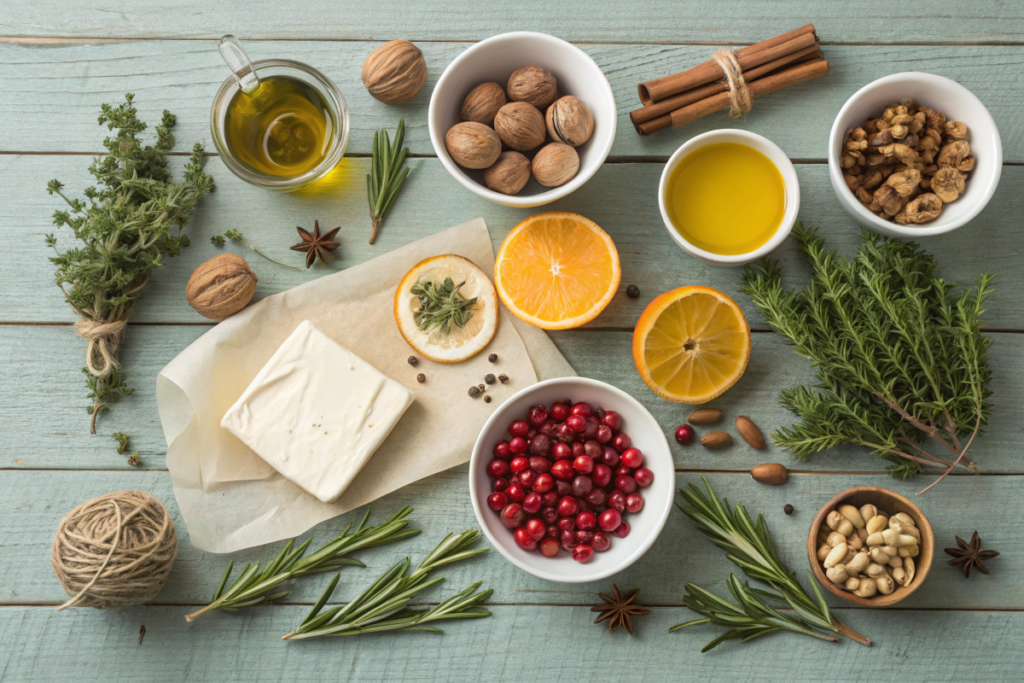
x,y
489,379
788,509
633,291
503,379
413,360
487,399
474,392
493,358
481,387
421,378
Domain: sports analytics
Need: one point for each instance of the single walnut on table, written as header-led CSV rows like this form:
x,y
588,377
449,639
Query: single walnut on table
x,y
907,163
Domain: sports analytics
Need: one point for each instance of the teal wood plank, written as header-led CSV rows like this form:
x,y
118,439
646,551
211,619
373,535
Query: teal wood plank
x,y
622,198
656,21
60,87
46,425
35,502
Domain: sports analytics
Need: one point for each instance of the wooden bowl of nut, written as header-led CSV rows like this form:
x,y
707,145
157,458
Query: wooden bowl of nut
x,y
871,546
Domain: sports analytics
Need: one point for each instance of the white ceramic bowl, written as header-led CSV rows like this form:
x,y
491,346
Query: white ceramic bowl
x,y
765,147
494,59
958,104
645,525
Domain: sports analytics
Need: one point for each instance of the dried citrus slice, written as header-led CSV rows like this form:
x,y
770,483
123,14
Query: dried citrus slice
x,y
691,344
451,281
557,270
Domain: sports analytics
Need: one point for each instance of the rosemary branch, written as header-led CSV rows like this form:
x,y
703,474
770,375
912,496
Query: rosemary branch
x,y
254,587
386,174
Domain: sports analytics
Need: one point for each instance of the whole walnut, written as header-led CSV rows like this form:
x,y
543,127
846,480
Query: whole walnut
x,y
555,164
482,103
509,174
520,126
569,121
472,145
533,84
221,287
395,72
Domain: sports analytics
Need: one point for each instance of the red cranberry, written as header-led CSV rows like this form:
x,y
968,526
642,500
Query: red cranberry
x,y
584,536
582,552
581,501
526,478
540,445
684,434
603,434
581,409
515,493
612,419
610,456
518,445
563,487
600,541
519,428
540,464
610,519
524,540
586,520
622,470
548,514
497,500
538,415
519,464
500,484
578,449
593,450
565,434
531,503
562,469
581,486
559,411
624,483
553,531
536,528
544,483
591,429
598,413
561,451
530,434
549,428
567,539
568,507
634,502
584,464
501,451
497,468
512,515
602,476
596,498
549,547
619,443
643,476
617,500
566,524
632,457
549,499
623,529
576,423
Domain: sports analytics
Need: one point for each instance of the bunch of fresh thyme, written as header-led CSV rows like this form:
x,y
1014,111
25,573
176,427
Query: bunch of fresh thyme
x,y
898,352
126,227
440,307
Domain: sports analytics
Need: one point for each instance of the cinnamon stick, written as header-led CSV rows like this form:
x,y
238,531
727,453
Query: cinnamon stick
x,y
768,84
748,57
670,104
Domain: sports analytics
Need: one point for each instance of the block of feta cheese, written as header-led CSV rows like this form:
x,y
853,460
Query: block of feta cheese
x,y
316,412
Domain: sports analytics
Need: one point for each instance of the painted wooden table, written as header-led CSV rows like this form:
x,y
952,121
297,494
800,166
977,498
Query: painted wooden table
x,y
59,60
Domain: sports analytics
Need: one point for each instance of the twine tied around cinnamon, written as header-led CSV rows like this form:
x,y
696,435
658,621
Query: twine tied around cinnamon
x,y
114,550
104,341
740,98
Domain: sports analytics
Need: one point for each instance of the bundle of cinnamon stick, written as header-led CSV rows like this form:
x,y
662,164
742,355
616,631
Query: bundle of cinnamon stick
x,y
770,65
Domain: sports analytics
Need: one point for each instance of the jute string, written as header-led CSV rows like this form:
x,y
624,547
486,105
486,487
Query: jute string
x,y
740,98
104,341
117,549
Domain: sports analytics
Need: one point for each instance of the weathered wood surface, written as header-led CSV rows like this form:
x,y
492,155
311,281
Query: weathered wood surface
x,y
60,87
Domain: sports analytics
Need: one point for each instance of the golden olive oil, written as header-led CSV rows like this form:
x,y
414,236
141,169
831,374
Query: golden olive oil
x,y
282,128
726,198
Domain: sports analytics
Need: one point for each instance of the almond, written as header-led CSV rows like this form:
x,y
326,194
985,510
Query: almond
x,y
716,440
749,431
770,473
705,416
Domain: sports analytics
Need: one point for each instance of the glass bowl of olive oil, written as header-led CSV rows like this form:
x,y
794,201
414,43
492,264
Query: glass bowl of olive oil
x,y
284,131
729,196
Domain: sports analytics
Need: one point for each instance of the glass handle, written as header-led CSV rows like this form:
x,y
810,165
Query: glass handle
x,y
236,59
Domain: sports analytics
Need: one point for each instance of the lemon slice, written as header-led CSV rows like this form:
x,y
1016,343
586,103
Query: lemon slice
x,y
458,343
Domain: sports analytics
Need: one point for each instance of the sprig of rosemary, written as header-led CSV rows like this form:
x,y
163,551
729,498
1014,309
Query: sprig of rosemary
x,y
386,174
235,234
442,306
383,606
254,587
898,352
750,547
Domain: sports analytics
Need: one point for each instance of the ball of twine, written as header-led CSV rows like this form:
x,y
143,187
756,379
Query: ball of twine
x,y
114,550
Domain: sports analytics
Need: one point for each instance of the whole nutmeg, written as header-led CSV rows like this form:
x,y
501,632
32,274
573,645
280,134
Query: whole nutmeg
x,y
221,287
395,72
520,126
555,164
472,145
569,121
533,84
482,103
509,174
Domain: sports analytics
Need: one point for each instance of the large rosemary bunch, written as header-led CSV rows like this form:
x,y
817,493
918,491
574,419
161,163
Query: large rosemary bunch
x,y
126,227
898,351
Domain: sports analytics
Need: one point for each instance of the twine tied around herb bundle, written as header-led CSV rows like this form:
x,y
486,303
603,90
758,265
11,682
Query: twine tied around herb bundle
x,y
114,550
740,98
104,339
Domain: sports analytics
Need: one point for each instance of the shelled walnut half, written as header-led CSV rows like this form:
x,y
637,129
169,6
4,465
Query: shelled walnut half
x,y
907,163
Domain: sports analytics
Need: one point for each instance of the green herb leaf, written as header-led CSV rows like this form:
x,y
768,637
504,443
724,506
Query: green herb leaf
x,y
386,174
441,307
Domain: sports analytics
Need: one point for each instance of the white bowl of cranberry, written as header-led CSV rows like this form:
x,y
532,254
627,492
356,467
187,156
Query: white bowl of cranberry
x,y
572,479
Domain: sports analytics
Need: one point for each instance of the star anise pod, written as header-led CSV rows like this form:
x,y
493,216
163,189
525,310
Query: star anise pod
x,y
619,611
970,554
317,246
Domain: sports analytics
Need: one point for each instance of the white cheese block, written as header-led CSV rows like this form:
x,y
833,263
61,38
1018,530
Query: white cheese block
x,y
316,412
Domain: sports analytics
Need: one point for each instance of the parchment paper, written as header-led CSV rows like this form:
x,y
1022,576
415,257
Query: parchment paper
x,y
232,499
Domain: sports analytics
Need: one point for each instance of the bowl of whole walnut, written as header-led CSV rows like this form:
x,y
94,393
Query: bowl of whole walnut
x,y
522,118
914,154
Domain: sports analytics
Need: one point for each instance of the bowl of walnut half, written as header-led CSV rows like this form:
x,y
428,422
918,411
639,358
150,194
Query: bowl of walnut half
x,y
522,119
914,154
